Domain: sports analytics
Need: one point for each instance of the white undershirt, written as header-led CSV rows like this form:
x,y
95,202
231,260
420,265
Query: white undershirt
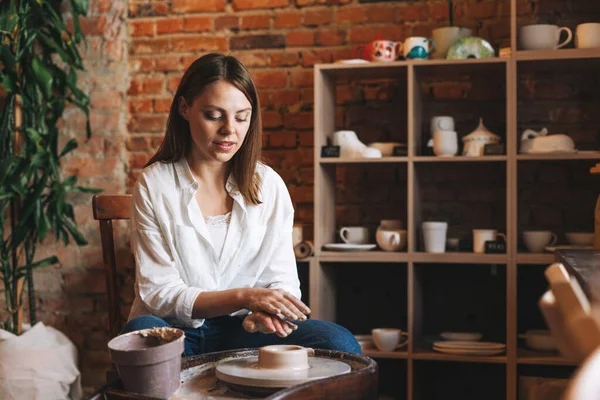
x,y
217,227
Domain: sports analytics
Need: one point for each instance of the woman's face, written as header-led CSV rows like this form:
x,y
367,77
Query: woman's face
x,y
219,120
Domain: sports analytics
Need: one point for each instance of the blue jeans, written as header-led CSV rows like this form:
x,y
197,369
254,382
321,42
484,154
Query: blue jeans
x,y
227,333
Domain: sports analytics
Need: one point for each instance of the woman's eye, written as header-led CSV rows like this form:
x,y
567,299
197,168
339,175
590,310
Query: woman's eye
x,y
213,116
242,119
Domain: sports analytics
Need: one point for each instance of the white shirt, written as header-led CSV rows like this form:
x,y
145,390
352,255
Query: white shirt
x,y
174,253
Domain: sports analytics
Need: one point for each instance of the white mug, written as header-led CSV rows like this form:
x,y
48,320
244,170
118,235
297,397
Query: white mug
x,y
445,143
441,123
417,47
387,339
536,241
587,35
445,37
434,235
543,37
480,236
355,234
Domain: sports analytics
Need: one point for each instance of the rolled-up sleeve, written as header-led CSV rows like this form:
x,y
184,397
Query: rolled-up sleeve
x,y
281,270
158,281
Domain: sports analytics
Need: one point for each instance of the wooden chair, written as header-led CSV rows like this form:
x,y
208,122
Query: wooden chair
x,y
109,207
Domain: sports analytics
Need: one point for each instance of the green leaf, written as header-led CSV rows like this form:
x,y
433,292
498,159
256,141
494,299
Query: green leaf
x,y
9,83
8,17
43,76
43,227
56,47
79,239
22,270
7,57
81,189
80,6
70,146
69,182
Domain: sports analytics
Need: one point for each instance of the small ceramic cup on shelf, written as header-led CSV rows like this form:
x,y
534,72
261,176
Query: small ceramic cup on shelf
x,y
445,143
388,339
480,236
434,235
537,241
355,234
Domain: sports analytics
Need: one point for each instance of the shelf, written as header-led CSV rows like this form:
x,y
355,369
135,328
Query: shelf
x,y
364,256
374,353
435,159
458,257
526,356
581,155
560,54
362,160
531,258
425,354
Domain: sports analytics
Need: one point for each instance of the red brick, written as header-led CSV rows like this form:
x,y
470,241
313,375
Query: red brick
x,y
307,139
141,28
300,38
302,77
317,17
255,21
331,37
101,6
482,10
307,95
160,8
150,46
254,4
449,90
106,100
187,60
299,120
187,44
285,139
162,105
147,123
350,14
140,64
286,59
227,22
288,19
168,63
252,60
138,160
310,58
269,79
439,11
381,14
91,167
105,121
146,85
412,12
284,97
198,24
114,50
301,3
271,119
184,6
140,106
262,41
169,25
173,83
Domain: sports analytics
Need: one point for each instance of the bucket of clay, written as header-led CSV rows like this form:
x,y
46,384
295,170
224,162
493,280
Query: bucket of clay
x,y
149,360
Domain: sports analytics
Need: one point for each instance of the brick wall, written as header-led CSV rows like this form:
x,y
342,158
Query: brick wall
x,y
135,57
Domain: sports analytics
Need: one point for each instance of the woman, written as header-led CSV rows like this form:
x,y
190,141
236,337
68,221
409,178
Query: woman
x,y
212,226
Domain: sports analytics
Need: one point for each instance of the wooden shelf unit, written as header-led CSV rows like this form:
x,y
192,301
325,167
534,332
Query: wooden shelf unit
x,y
325,265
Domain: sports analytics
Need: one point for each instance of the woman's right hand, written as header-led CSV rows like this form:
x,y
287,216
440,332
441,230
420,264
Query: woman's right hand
x,y
275,301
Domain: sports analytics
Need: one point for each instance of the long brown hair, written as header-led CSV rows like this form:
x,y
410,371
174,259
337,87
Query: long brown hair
x,y
206,70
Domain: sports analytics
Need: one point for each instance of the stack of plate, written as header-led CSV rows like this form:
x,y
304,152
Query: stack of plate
x,y
469,348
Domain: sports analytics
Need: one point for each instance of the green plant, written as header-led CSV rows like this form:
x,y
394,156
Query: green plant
x,y
39,59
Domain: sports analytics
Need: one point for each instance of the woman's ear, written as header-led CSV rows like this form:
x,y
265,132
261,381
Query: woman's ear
x,y
183,107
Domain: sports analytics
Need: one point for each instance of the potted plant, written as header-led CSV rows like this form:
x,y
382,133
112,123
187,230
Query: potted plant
x,y
446,36
39,60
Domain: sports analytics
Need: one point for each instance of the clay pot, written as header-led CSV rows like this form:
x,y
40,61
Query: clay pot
x,y
149,360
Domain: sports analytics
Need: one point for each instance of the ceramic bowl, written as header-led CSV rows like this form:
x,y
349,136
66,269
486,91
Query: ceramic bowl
x,y
541,340
283,356
580,238
386,148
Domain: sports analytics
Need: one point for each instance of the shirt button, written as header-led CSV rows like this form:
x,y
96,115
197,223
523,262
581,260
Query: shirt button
x,y
195,185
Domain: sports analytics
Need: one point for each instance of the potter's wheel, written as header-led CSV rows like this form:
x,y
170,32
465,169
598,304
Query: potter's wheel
x,y
246,372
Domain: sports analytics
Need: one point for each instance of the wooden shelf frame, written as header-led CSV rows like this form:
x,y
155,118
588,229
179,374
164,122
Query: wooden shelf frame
x,y
322,275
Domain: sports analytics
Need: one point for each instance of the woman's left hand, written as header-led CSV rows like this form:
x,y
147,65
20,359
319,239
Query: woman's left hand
x,y
262,322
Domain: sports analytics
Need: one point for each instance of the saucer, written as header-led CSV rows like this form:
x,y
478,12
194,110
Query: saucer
x,y
352,61
552,249
349,247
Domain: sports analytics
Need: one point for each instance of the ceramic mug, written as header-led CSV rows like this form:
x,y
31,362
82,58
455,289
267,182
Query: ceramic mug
x,y
587,35
543,37
378,50
536,241
434,235
355,234
441,123
418,47
388,339
445,37
391,240
445,143
480,236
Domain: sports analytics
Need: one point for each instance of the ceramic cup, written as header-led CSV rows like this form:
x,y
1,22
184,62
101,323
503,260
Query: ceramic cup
x,y
378,50
355,234
480,236
441,123
284,356
390,224
537,241
445,143
543,37
387,339
417,47
445,37
391,240
587,35
434,235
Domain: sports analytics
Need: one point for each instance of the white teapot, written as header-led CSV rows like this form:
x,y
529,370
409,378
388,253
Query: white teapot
x,y
533,142
475,141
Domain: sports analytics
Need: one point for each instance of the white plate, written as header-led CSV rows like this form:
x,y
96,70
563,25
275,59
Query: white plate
x,y
468,345
552,249
482,352
349,247
461,336
352,61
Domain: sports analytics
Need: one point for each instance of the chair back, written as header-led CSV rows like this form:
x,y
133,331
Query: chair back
x,y
109,207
